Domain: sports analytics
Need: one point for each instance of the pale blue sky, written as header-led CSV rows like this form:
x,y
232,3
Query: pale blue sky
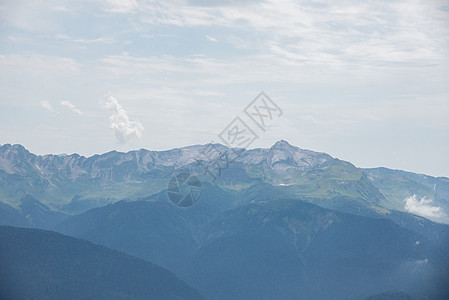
x,y
365,81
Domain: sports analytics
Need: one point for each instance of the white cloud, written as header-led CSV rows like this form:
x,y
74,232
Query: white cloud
x,y
124,128
71,106
422,207
350,33
210,38
120,6
45,104
99,40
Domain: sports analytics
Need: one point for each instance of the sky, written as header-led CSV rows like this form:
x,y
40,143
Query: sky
x,y
365,81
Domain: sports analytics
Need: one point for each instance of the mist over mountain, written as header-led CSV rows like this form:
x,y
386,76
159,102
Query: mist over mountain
x,y
271,249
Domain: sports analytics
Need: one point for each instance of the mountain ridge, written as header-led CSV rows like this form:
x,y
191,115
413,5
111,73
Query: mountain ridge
x,y
40,264
278,144
281,242
73,183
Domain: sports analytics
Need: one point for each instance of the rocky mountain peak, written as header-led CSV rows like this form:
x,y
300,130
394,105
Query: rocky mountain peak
x,y
283,144
15,149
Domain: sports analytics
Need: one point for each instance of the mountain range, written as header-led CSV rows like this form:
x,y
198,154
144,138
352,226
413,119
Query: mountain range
x,y
273,223
73,184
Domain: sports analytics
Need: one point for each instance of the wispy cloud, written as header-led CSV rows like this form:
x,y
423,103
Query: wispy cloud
x,y
423,207
47,106
31,64
350,33
120,6
119,121
210,38
99,40
71,106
